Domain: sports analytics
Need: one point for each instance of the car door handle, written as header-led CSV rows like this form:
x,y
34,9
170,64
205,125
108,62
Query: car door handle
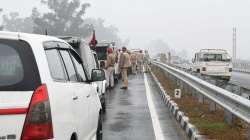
x,y
75,98
88,96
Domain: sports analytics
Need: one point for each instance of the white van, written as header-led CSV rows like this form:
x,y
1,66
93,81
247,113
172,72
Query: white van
x,y
44,90
89,57
213,62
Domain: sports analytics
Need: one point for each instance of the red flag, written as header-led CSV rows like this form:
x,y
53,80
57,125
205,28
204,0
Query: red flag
x,y
93,41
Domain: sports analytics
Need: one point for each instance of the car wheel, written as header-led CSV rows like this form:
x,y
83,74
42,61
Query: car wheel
x,y
73,137
198,70
103,107
116,79
99,129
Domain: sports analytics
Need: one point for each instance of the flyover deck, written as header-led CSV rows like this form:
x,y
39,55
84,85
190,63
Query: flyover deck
x,y
129,113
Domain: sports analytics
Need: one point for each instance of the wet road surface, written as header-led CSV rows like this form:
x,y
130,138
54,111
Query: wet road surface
x,y
128,116
170,128
241,79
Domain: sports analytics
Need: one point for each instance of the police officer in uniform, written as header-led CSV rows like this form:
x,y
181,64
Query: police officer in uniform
x,y
110,68
123,67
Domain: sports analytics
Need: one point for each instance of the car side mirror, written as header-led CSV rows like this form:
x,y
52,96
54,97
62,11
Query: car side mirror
x,y
97,75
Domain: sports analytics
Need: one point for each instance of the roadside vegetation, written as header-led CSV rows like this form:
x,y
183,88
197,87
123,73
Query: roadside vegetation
x,y
210,124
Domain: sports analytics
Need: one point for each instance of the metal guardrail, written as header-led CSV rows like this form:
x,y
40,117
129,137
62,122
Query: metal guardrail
x,y
232,86
238,66
241,66
233,103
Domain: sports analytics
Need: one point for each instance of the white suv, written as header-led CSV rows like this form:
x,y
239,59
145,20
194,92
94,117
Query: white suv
x,y
90,62
44,90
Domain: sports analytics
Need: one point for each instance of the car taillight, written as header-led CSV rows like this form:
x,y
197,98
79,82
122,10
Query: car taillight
x,y
204,69
38,122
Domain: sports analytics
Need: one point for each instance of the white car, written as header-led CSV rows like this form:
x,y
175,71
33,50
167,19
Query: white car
x,y
44,91
213,62
90,61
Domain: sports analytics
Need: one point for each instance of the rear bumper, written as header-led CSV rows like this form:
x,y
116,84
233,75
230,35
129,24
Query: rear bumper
x,y
217,74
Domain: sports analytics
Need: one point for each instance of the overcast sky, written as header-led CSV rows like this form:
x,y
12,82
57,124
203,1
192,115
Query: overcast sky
x,y
183,24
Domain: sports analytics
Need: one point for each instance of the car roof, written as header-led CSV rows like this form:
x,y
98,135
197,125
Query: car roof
x,y
27,37
212,51
103,44
71,39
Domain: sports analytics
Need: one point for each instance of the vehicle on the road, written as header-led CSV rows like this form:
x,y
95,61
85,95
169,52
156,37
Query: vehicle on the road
x,y
90,62
213,62
135,51
102,54
44,90
101,84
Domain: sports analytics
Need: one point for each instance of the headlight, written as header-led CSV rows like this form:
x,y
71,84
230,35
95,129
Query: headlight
x,y
204,69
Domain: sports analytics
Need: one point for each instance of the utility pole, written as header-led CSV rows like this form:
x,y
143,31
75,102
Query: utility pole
x,y
234,44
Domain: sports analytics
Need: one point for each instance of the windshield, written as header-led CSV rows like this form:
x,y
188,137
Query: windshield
x,y
216,57
101,53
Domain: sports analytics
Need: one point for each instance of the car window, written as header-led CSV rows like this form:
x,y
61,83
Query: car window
x,y
18,69
55,65
101,53
80,70
11,68
69,65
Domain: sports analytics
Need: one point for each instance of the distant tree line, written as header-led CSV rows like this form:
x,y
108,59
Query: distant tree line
x,y
63,18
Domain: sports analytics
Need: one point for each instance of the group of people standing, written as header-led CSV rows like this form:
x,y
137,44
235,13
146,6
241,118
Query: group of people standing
x,y
138,60
125,61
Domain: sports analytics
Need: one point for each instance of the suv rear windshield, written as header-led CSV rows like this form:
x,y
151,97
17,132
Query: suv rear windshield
x,y
18,69
101,53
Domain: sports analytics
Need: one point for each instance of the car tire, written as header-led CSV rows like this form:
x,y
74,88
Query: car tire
x,y
116,80
73,137
103,107
198,70
99,129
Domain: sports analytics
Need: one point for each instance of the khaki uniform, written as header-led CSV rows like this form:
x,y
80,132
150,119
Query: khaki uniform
x,y
123,66
110,70
140,59
133,59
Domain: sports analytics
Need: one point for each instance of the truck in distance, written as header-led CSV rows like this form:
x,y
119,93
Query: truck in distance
x,y
213,62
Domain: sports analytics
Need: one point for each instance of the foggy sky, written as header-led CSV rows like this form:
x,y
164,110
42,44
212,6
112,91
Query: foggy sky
x,y
183,24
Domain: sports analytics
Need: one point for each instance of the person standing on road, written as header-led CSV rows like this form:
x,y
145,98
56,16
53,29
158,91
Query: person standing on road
x,y
133,59
130,66
110,68
123,67
140,59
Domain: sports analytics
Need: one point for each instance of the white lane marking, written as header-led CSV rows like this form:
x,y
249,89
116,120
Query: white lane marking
x,y
154,116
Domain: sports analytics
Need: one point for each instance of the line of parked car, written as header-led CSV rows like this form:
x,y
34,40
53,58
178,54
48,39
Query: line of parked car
x,y
50,88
